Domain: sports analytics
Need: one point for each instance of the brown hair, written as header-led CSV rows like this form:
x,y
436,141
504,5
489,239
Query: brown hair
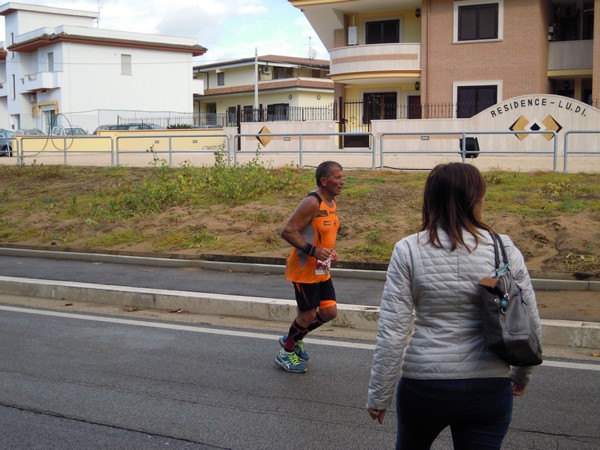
x,y
451,193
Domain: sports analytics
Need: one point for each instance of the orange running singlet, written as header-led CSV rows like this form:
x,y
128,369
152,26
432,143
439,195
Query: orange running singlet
x,y
321,232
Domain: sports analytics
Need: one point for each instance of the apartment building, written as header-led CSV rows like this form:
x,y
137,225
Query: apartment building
x,y
56,61
413,59
264,89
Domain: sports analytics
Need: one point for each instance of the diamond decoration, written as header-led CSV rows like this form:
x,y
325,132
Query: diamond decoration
x,y
524,124
264,139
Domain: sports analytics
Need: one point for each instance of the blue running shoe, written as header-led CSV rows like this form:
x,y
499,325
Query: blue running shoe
x,y
298,349
289,361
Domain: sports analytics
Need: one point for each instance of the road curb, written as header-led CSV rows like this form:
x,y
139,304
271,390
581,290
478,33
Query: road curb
x,y
555,332
538,283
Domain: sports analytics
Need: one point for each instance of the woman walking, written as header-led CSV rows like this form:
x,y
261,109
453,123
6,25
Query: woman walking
x,y
445,374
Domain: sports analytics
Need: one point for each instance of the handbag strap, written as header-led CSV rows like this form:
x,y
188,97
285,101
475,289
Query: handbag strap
x,y
498,243
496,257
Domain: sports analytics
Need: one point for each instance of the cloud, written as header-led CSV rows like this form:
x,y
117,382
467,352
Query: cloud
x,y
230,29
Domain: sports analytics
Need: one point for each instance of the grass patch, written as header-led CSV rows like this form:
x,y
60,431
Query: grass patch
x,y
117,238
245,207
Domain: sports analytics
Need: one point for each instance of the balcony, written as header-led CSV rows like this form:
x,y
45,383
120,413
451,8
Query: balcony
x,y
570,56
34,82
379,62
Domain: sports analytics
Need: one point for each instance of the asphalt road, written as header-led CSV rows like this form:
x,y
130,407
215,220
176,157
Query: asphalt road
x,y
75,381
348,290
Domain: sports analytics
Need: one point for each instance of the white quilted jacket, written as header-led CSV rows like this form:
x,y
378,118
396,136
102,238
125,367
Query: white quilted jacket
x,y
438,289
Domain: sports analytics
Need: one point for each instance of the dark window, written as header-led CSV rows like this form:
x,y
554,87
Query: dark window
x,y
384,32
283,72
474,99
248,112
232,115
478,22
278,111
221,78
379,105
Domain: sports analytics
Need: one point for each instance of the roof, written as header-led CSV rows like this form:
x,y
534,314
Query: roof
x,y
273,85
42,40
11,7
273,59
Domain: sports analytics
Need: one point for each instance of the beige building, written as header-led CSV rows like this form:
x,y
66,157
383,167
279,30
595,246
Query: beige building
x,y
397,59
264,89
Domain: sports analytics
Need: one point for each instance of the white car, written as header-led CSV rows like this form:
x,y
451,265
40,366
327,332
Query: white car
x,y
68,131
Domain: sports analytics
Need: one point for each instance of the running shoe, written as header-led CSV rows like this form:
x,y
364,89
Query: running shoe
x,y
289,361
298,348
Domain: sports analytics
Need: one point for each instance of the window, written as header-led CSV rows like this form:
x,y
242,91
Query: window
x,y
474,99
220,78
478,20
248,114
278,111
50,61
379,105
126,64
382,32
232,115
280,73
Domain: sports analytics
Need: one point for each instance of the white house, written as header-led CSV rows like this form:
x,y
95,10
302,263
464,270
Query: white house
x,y
56,62
265,88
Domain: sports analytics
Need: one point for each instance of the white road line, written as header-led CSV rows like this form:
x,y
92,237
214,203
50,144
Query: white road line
x,y
246,334
178,327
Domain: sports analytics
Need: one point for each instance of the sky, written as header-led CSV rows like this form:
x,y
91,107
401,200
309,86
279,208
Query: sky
x,y
229,29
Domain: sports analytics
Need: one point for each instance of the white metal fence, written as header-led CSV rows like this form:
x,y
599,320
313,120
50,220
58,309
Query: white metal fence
x,y
387,150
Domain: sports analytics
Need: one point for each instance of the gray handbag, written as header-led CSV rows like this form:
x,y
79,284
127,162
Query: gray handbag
x,y
507,325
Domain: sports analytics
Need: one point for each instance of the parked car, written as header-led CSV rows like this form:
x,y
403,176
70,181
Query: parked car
x,y
68,131
6,138
128,126
30,132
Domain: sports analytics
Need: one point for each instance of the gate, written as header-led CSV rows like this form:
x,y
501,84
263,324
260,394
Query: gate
x,y
356,115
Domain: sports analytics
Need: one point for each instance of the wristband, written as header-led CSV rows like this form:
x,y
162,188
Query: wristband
x,y
309,249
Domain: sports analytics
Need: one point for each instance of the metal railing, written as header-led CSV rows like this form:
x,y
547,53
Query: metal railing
x,y
301,151
463,150
294,144
60,145
169,150
566,146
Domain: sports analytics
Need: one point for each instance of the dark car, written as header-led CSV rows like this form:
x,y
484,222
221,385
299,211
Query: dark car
x,y
6,142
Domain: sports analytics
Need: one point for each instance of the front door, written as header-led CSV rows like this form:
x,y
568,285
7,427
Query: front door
x,y
379,105
414,107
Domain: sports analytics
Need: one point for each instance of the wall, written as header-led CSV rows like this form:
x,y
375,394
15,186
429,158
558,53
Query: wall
x,y
548,112
519,60
596,68
299,98
410,26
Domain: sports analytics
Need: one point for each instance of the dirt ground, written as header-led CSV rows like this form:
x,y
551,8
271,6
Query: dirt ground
x,y
560,247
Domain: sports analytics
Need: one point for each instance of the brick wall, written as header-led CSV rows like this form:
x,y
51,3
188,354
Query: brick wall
x,y
519,60
596,66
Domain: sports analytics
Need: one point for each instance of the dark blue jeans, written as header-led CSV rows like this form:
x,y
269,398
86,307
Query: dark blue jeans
x,y
478,411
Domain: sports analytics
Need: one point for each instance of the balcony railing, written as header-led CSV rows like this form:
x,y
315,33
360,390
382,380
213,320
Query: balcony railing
x,y
39,81
364,59
570,55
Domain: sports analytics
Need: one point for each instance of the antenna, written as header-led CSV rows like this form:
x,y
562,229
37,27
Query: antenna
x,y
312,53
99,11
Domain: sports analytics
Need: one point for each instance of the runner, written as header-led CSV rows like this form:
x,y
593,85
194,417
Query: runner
x,y
312,231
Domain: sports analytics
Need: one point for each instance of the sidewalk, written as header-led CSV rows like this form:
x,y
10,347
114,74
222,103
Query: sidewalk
x,y
570,333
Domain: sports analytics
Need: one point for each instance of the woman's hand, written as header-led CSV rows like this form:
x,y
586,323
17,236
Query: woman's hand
x,y
517,389
378,414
